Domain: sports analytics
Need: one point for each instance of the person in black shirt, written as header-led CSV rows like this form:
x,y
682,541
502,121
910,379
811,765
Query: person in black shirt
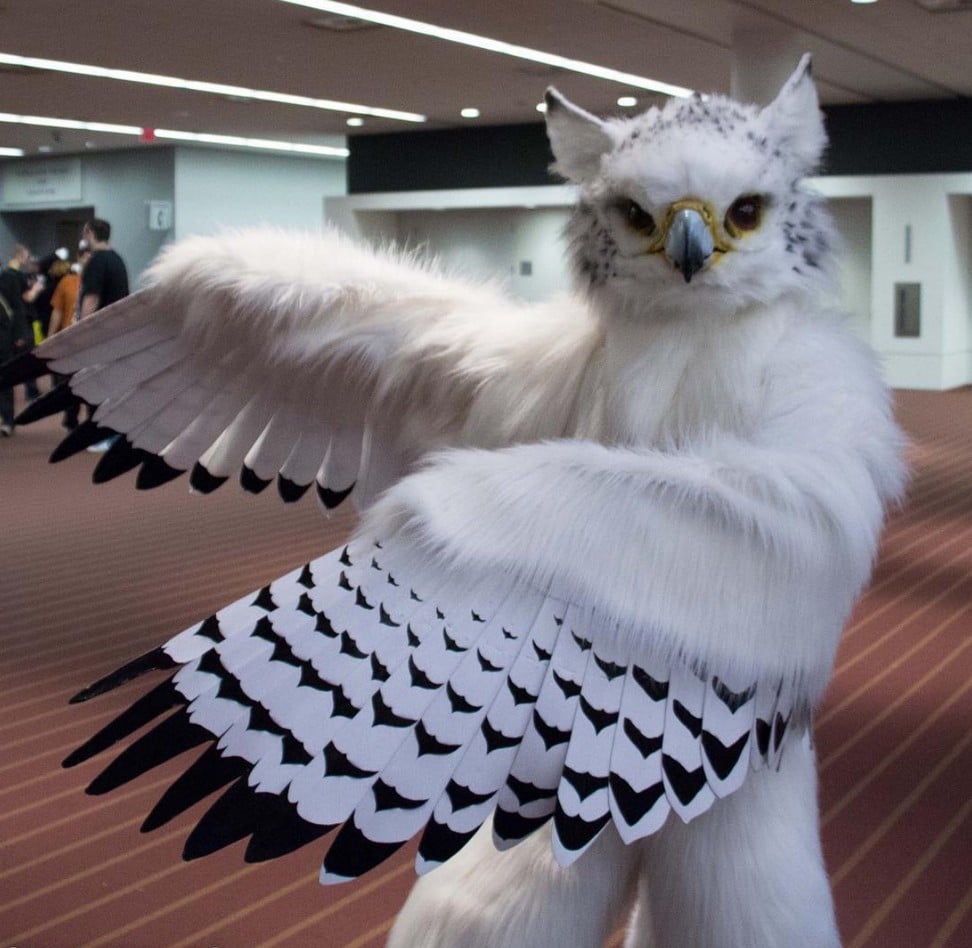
x,y
15,337
105,277
104,281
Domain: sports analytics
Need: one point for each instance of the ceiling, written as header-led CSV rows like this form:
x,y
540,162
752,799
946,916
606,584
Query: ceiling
x,y
885,51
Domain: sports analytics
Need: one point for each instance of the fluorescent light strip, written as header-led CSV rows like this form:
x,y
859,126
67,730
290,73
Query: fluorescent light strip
x,y
193,85
12,119
264,144
492,46
11,152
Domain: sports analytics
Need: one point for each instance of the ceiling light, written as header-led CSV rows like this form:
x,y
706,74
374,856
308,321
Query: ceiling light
x,y
193,85
11,152
261,143
146,134
44,149
541,106
863,1
470,113
356,121
492,46
627,102
107,127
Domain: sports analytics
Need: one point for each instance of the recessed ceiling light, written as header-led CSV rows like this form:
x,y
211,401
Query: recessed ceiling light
x,y
627,101
356,121
237,93
492,46
470,113
863,1
44,149
11,152
541,106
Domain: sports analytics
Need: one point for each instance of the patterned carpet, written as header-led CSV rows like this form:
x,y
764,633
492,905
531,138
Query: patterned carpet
x,y
90,577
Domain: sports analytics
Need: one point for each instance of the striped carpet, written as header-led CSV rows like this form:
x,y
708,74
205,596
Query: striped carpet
x,y
91,576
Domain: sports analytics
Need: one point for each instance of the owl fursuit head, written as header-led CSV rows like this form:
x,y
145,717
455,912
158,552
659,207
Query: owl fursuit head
x,y
608,543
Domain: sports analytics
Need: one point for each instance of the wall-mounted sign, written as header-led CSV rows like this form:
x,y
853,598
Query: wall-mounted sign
x,y
48,181
160,215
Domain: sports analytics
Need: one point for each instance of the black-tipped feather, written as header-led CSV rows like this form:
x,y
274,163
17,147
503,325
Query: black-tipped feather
x,y
290,491
239,812
58,399
201,480
165,741
277,837
85,435
440,843
210,772
155,472
514,827
331,498
250,482
22,368
156,660
119,459
352,853
161,698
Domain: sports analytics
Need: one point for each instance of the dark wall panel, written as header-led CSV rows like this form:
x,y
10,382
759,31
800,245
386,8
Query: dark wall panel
x,y
891,138
488,157
900,137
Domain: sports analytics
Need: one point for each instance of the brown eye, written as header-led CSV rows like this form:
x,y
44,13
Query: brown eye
x,y
745,214
637,217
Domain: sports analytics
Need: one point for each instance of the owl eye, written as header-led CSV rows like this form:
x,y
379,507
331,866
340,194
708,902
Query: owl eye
x,y
637,217
745,214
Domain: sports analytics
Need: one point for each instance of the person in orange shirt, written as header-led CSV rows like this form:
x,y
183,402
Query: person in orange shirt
x,y
64,300
65,309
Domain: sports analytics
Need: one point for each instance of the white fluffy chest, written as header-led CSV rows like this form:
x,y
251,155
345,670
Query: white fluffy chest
x,y
673,382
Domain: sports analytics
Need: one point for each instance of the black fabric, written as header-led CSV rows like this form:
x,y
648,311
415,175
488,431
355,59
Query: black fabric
x,y
15,333
106,277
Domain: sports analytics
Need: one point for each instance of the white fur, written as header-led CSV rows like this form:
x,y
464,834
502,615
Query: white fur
x,y
708,464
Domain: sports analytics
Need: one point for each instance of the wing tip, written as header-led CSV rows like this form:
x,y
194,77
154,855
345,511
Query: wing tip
x,y
202,481
155,660
333,498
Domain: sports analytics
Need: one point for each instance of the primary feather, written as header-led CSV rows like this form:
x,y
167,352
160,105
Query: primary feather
x,y
621,532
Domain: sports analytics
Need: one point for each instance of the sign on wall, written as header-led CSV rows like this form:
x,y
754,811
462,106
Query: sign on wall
x,y
48,181
160,215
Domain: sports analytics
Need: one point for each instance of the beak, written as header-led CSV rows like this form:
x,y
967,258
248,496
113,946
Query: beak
x,y
689,243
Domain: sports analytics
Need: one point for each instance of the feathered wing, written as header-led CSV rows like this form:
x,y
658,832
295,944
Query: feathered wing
x,y
301,359
555,631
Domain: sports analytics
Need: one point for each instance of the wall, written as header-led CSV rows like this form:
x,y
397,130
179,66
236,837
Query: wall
x,y
216,189
490,230
117,186
496,243
208,189
958,284
852,217
927,137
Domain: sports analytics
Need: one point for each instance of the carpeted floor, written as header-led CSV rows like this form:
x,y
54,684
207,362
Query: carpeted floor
x,y
91,576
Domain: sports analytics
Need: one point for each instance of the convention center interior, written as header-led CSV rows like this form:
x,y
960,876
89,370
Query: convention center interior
x,y
621,348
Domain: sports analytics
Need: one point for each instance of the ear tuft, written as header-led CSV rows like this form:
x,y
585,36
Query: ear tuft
x,y
794,118
577,138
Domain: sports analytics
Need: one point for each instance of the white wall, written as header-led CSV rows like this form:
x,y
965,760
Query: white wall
x,y
217,189
853,219
495,243
958,284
